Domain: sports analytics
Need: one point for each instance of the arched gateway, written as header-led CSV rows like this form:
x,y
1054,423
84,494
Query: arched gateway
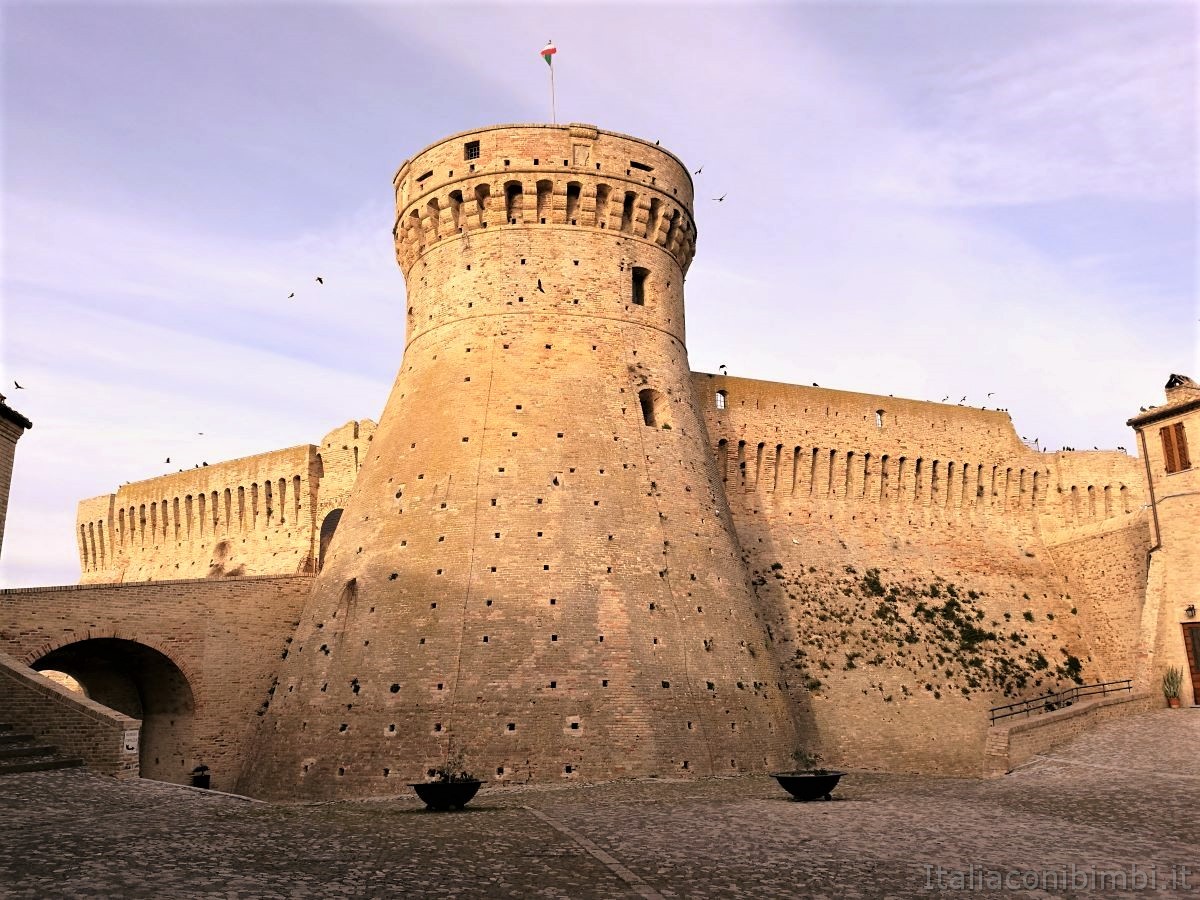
x,y
141,682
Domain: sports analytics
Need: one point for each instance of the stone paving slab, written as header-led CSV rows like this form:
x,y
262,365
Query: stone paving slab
x,y
1118,805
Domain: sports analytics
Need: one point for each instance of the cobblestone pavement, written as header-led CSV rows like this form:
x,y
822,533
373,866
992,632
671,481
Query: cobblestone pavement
x,y
1119,803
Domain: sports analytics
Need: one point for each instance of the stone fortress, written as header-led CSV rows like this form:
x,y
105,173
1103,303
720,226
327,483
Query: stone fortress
x,y
566,554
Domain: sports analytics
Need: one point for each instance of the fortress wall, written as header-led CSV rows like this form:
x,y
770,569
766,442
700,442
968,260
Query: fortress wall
x,y
1091,486
94,535
227,636
247,516
1106,572
904,562
339,458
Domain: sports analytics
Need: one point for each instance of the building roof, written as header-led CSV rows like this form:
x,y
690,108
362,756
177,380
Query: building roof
x,y
11,415
1158,413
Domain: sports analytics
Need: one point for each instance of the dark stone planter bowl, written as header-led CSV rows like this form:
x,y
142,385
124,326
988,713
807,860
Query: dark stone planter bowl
x,y
808,785
446,794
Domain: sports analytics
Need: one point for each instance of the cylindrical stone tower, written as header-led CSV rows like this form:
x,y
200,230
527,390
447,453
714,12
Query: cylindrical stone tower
x,y
537,565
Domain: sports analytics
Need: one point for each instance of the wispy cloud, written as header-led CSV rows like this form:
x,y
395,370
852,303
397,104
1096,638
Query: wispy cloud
x,y
870,239
1110,111
147,336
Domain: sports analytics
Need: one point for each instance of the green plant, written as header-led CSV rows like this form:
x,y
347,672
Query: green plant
x,y
454,769
1172,682
808,762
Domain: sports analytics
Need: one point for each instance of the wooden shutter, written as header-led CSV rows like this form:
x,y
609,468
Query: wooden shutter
x,y
1181,450
1168,444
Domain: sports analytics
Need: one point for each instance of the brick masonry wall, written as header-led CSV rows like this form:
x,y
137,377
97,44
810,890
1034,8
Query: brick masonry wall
x,y
106,740
1010,745
1175,564
260,515
227,637
898,548
1107,570
10,433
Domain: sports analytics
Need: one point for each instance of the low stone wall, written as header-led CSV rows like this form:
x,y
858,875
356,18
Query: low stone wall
x,y
106,740
1010,745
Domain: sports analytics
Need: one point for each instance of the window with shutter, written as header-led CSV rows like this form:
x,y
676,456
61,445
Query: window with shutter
x,y
1181,451
1168,444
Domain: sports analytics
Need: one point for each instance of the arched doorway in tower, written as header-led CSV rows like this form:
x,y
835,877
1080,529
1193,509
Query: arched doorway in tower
x,y
328,527
141,682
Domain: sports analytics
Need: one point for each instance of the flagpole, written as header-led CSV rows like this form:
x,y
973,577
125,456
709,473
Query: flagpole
x,y
548,55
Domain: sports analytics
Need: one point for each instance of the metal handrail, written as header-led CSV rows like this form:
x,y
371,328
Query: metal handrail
x,y
1059,699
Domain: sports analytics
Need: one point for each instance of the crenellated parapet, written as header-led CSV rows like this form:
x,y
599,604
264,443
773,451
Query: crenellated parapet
x,y
560,176
259,515
861,454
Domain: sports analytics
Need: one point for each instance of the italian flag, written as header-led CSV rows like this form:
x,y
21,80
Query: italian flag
x,y
547,52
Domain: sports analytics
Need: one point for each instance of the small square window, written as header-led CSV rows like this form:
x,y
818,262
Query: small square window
x,y
471,150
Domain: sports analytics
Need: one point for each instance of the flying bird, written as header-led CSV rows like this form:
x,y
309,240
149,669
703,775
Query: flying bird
x,y
947,397
291,295
168,459
721,199
698,171
815,384
540,288
320,280
18,386
990,393
964,399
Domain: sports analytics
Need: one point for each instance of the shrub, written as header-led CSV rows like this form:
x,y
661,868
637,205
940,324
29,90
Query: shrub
x,y
871,583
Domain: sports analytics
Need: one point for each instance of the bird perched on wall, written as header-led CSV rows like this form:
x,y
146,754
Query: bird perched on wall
x,y
722,368
947,397
1122,449
815,384
320,280
168,459
656,143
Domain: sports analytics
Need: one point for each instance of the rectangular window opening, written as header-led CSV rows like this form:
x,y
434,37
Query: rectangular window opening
x,y
639,285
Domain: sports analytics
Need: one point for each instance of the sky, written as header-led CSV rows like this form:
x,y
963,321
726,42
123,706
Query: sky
x,y
922,199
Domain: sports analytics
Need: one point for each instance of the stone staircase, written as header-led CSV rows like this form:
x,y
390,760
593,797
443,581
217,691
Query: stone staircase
x,y
22,752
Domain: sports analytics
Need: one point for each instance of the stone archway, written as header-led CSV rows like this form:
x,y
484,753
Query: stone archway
x,y
141,682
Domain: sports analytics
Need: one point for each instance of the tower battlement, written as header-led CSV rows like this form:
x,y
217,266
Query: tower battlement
x,y
570,176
